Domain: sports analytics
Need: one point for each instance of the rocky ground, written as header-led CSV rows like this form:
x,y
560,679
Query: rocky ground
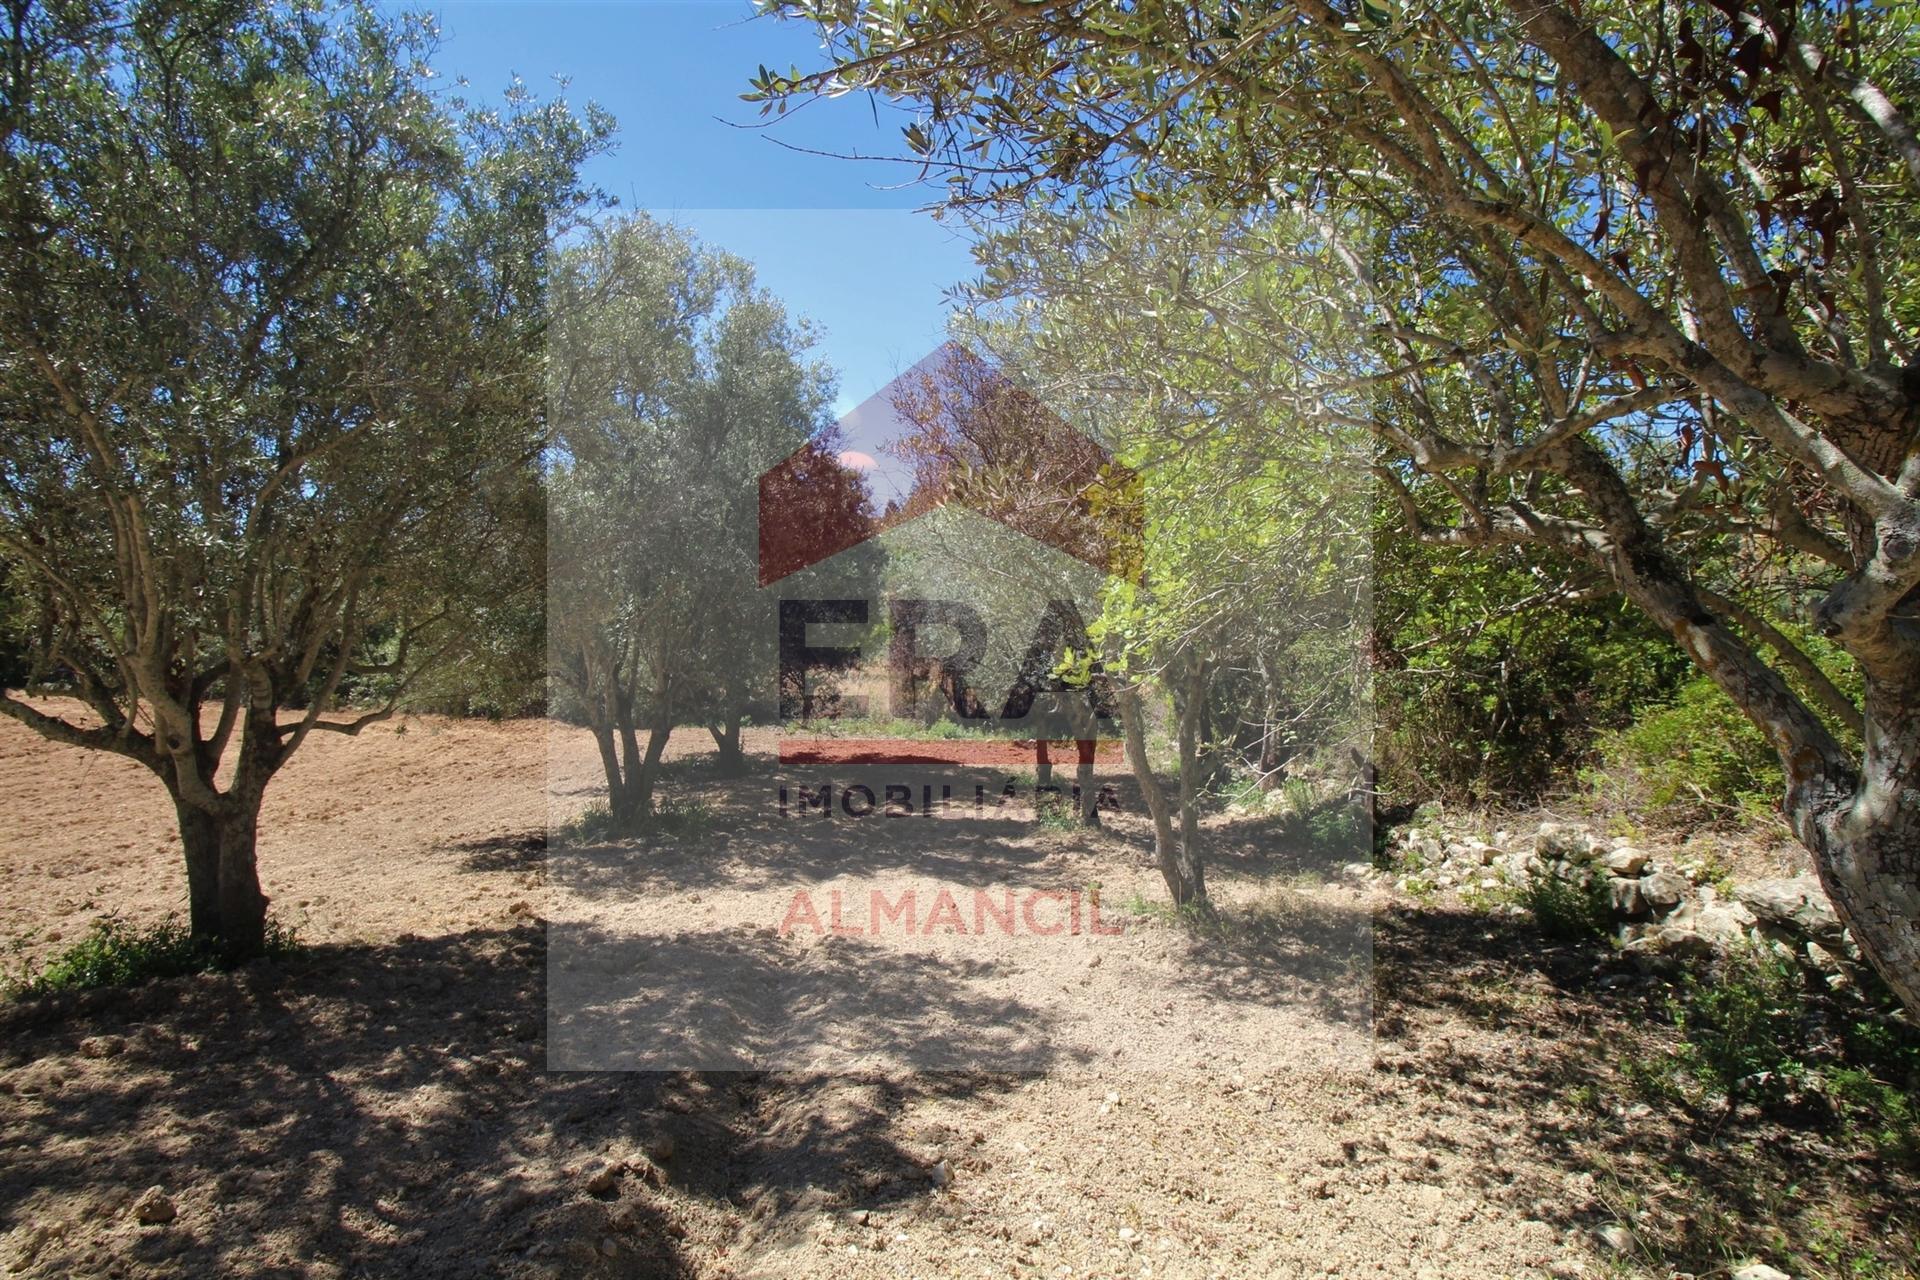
x,y
382,1104
1693,900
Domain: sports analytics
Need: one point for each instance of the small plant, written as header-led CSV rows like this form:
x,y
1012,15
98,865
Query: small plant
x,y
1743,1028
677,817
1755,1031
1422,889
595,825
1697,759
1055,813
1569,908
683,817
115,953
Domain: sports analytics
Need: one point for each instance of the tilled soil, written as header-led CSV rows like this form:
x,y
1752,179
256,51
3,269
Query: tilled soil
x,y
382,1104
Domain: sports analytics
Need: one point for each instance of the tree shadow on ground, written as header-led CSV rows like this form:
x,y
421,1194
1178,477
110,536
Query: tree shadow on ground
x,y
720,999
385,1110
1577,1037
756,839
514,852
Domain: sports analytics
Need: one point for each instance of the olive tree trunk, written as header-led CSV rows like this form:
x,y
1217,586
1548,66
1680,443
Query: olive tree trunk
x,y
1178,858
224,899
726,740
1865,839
1858,816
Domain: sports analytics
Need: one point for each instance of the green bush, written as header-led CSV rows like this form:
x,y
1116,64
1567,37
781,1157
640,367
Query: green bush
x,y
595,825
115,953
1696,759
1743,1027
1489,689
1754,1031
680,818
1565,908
684,818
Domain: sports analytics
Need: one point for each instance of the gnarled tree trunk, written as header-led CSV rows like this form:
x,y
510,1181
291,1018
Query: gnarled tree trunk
x,y
1865,839
1860,819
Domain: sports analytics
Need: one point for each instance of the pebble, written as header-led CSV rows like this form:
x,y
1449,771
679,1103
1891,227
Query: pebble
x,y
154,1208
1616,1237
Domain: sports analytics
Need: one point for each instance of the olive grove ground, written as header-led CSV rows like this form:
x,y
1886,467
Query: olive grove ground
x,y
381,1104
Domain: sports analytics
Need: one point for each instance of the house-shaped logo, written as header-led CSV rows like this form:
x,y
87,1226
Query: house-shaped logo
x,y
955,430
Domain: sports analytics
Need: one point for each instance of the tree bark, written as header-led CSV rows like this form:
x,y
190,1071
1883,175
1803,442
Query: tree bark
x,y
610,766
1865,839
726,740
1860,822
225,902
1192,711
1179,863
649,774
201,839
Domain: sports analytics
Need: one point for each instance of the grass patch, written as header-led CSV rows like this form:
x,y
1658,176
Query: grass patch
x,y
595,825
116,953
1056,813
683,817
674,817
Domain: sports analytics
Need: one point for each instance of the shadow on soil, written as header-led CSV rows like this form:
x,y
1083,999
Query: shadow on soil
x,y
1703,1189
384,1110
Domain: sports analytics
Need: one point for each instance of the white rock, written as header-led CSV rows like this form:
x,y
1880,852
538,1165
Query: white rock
x,y
1564,840
1628,861
1616,1237
1664,890
1760,1271
1798,903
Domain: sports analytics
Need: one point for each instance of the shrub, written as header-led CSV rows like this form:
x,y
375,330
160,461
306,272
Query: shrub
x,y
1488,688
1565,907
1696,759
678,817
595,825
684,818
1752,1031
115,953
1743,1028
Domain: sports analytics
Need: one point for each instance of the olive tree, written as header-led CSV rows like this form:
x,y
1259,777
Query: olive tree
x,y
1615,277
270,382
675,381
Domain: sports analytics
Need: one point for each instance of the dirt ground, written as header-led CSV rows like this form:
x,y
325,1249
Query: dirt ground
x,y
1156,1102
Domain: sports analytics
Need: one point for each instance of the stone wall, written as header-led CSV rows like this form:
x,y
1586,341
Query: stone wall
x,y
1660,905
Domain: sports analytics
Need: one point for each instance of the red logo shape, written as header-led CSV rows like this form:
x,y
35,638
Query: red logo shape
x,y
967,434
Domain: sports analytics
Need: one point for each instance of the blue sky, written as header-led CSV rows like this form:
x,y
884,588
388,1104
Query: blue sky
x,y
828,236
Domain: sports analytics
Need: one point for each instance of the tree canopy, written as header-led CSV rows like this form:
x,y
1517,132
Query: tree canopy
x,y
271,320
1606,281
